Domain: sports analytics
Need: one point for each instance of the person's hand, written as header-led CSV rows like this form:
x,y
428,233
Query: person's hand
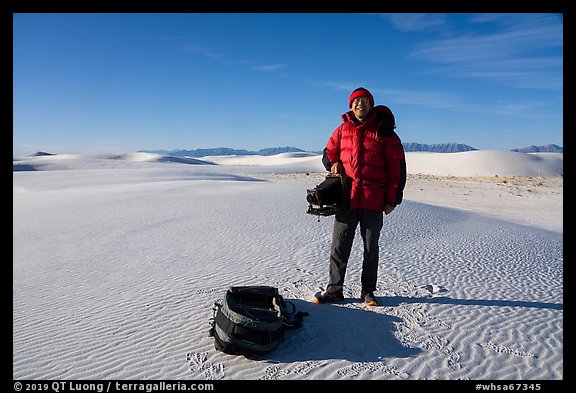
x,y
388,208
337,168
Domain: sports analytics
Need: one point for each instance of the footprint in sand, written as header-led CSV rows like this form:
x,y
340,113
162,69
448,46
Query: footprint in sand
x,y
199,363
434,289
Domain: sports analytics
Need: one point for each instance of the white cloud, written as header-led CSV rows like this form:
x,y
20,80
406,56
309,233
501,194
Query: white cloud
x,y
415,21
270,67
202,50
512,55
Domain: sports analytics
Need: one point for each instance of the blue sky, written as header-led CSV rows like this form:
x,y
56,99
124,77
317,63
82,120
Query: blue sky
x,y
93,83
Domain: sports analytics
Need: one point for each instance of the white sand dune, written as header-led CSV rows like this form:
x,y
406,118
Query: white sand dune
x,y
472,163
486,163
97,161
288,159
117,261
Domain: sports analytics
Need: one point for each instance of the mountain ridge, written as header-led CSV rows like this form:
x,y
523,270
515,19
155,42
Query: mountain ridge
x,y
408,147
550,148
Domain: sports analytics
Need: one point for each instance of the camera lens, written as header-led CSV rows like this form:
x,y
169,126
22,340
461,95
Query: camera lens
x,y
312,198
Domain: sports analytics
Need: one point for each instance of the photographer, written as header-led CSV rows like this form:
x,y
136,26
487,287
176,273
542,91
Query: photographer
x,y
367,152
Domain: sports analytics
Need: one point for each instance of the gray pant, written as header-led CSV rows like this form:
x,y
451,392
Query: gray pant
x,y
345,224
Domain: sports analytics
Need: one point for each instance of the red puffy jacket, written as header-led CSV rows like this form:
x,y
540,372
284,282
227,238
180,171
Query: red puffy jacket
x,y
373,159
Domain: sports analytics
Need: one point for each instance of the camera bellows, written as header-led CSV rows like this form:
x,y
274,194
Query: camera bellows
x,y
326,197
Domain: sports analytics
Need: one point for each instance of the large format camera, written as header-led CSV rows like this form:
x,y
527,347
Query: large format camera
x,y
328,197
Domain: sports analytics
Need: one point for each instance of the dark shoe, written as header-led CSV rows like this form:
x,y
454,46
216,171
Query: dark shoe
x,y
369,299
328,297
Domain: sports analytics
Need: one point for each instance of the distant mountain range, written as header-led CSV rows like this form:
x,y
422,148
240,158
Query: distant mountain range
x,y
541,149
408,147
437,148
226,151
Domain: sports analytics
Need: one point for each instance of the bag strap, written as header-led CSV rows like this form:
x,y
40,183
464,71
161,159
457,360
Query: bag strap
x,y
296,322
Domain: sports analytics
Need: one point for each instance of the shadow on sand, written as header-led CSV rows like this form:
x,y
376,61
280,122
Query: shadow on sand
x,y
397,300
333,331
